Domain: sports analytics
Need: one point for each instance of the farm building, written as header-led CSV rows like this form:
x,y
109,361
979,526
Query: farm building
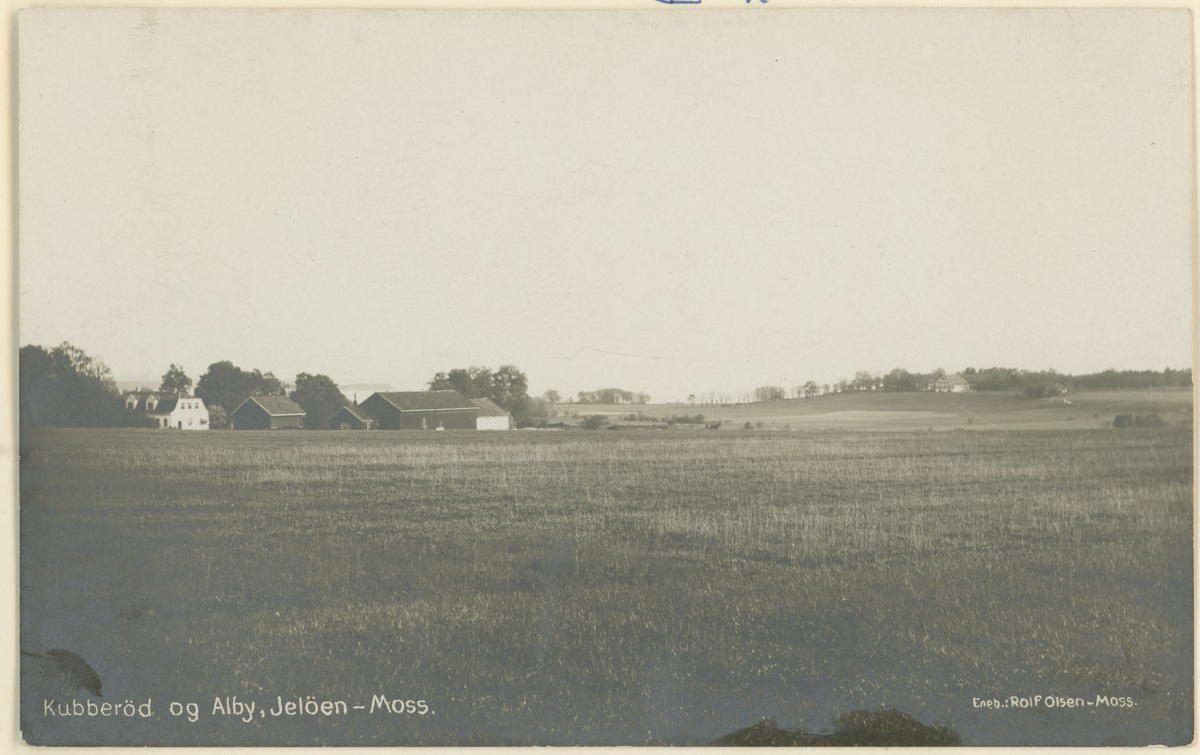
x,y
951,384
421,410
178,411
351,418
267,413
491,416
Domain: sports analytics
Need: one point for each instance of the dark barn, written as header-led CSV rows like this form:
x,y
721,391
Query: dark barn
x,y
267,413
421,410
351,418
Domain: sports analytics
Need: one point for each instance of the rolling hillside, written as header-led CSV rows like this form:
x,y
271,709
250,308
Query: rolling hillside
x,y
923,411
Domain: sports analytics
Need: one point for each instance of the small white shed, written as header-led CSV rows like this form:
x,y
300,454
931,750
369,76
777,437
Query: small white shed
x,y
491,416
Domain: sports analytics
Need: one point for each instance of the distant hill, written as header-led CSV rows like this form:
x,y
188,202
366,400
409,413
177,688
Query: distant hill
x,y
920,410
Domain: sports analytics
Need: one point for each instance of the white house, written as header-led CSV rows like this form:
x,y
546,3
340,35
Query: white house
x,y
177,411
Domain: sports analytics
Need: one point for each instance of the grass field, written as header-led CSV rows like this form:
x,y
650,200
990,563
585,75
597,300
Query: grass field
x,y
614,588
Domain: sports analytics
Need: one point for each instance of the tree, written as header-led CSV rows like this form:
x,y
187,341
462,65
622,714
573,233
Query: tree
x,y
691,398
863,381
227,386
224,385
482,383
267,385
900,380
175,381
510,389
218,418
552,396
537,408
811,389
769,393
460,380
320,398
65,387
507,386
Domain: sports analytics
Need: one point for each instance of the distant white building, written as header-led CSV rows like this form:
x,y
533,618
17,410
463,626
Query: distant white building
x,y
955,383
176,411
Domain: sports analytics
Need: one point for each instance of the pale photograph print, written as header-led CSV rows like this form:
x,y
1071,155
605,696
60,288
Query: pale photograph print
x,y
669,377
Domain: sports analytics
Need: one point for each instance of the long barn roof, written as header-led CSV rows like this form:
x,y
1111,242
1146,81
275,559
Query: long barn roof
x,y
424,401
488,408
276,406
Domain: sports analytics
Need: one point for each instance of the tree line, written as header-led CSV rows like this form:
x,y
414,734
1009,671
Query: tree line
x,y
1008,379
612,396
1030,383
507,387
65,387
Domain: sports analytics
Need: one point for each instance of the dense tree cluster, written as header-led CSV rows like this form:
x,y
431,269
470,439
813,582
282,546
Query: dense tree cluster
x,y
64,387
319,397
612,396
226,386
1012,379
1029,383
769,393
507,386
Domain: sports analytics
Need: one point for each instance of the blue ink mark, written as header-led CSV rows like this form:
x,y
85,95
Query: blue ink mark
x,y
680,2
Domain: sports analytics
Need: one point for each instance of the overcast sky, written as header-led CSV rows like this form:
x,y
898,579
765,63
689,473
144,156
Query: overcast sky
x,y
698,200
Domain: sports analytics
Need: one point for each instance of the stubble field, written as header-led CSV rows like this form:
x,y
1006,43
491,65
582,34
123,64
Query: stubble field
x,y
610,588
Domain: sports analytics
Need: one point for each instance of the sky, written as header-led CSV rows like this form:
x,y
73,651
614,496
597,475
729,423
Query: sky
x,y
663,202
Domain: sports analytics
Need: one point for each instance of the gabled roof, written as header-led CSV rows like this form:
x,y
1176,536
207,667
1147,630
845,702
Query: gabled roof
x,y
424,401
276,406
357,412
488,408
145,394
956,379
168,405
